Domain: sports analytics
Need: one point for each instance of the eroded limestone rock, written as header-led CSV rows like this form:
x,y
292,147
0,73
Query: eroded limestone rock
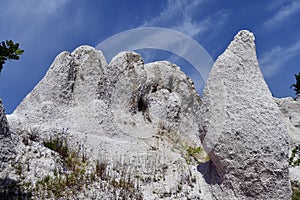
x,y
7,147
242,130
290,112
142,114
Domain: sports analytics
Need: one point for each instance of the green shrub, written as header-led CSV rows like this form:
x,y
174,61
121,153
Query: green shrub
x,y
58,145
296,190
195,154
292,161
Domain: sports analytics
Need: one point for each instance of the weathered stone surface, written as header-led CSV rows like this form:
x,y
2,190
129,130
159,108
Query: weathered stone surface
x,y
121,98
144,114
4,129
144,118
295,174
242,129
71,79
290,112
7,147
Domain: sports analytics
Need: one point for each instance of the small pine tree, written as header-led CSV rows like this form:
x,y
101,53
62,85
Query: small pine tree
x,y
296,86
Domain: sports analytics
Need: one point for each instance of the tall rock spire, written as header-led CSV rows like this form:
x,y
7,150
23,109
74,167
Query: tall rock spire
x,y
242,130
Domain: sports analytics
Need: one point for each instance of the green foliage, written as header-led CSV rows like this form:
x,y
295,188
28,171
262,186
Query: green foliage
x,y
74,175
292,161
9,50
100,168
195,154
78,173
59,145
296,86
296,190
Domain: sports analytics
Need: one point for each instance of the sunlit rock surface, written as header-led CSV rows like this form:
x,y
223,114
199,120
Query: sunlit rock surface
x,y
243,132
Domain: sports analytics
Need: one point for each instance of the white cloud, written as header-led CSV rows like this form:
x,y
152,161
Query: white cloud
x,y
174,9
284,13
180,15
28,16
275,4
272,61
193,28
29,8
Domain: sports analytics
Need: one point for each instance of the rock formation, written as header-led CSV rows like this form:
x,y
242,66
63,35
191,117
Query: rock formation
x,y
141,114
290,112
242,130
139,124
6,144
92,95
4,129
7,150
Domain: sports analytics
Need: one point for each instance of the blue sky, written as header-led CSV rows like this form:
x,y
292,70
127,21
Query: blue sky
x,y
44,28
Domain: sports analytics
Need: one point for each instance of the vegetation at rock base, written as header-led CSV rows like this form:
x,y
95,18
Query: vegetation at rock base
x,y
58,145
293,161
79,173
296,86
296,190
76,174
9,51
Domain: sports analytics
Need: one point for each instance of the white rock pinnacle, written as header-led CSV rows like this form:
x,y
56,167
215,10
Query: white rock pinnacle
x,y
243,132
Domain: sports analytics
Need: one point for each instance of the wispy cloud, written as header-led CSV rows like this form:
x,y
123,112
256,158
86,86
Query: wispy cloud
x,y
181,15
30,15
277,4
194,28
174,9
284,12
272,61
42,8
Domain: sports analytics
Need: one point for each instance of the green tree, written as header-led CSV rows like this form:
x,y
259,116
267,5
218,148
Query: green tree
x,y
9,51
296,86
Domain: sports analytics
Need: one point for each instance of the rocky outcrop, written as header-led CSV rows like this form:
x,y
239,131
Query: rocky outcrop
x,y
142,116
242,129
116,99
7,147
140,122
290,112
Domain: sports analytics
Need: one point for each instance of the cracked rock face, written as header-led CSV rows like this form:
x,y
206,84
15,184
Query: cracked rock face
x,y
7,147
242,130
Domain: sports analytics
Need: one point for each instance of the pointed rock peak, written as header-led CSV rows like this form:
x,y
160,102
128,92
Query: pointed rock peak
x,y
243,45
241,123
245,36
72,79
